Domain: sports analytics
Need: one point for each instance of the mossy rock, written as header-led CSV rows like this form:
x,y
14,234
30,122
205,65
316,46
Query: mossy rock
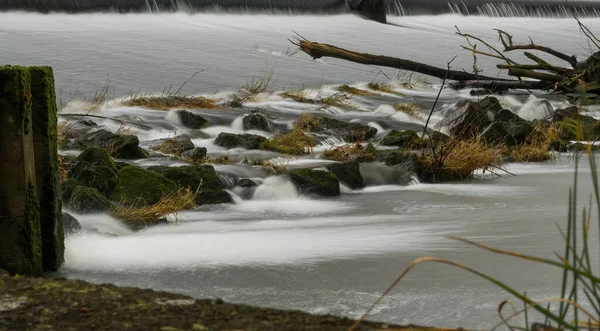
x,y
203,178
119,146
596,128
246,140
572,128
402,159
141,187
315,182
70,224
98,156
257,122
98,177
349,132
175,145
407,139
348,173
505,115
66,189
197,154
369,154
191,120
85,200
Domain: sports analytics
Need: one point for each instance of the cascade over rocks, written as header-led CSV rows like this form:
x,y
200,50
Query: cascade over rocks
x,y
203,179
246,140
348,173
119,146
315,182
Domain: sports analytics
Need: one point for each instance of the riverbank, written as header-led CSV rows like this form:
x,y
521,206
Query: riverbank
x,y
29,303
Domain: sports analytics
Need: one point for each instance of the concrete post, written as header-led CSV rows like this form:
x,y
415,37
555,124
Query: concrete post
x,y
44,113
20,231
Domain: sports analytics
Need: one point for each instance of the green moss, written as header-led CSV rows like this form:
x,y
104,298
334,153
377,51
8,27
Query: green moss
x,y
407,139
98,156
98,177
15,97
31,234
369,154
88,200
141,187
44,114
317,182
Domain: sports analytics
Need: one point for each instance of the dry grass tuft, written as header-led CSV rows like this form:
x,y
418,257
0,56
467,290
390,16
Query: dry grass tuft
x,y
294,142
382,87
411,109
538,145
339,99
464,157
127,130
63,169
172,101
278,166
343,153
166,209
353,90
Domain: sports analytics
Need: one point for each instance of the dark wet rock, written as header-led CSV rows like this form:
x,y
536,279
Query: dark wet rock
x,y
70,224
99,157
101,178
246,182
175,145
315,182
469,118
191,120
560,145
370,9
572,128
350,132
89,123
196,154
119,146
490,104
506,115
408,139
438,137
66,189
563,113
231,140
519,131
85,200
369,154
257,122
496,133
402,160
478,92
141,187
348,173
203,178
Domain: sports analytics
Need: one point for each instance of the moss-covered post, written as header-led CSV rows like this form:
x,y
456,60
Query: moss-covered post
x,y
44,115
20,237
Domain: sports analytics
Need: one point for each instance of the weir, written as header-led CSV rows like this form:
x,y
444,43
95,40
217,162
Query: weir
x,y
31,235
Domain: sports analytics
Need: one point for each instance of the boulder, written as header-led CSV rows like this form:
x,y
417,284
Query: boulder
x,y
402,160
103,179
370,9
349,132
231,140
203,178
369,154
348,173
257,122
175,145
99,157
191,120
563,113
141,187
490,104
66,189
506,115
197,154
468,118
119,146
496,133
70,224
85,200
246,182
315,182
519,131
407,139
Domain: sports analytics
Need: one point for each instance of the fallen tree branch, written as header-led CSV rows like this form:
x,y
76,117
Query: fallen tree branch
x,y
318,50
497,86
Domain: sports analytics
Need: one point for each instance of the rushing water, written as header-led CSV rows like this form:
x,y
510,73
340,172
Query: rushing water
x,y
280,249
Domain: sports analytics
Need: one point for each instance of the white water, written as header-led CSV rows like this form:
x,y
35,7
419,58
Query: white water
x,y
281,249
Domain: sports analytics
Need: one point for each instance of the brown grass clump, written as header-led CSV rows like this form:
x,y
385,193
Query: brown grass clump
x,y
353,90
459,162
63,169
339,99
172,101
538,145
342,153
276,166
382,87
294,142
411,109
168,206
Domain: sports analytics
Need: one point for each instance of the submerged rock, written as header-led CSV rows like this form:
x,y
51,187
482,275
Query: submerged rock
x,y
119,146
248,141
257,122
70,224
196,154
191,120
408,139
85,200
315,182
175,145
246,182
203,179
141,187
348,173
404,160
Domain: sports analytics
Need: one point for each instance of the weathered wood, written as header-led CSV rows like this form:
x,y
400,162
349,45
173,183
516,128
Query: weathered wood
x,y
318,50
498,86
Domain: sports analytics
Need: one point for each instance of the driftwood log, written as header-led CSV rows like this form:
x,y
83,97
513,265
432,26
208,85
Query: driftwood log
x,y
575,77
